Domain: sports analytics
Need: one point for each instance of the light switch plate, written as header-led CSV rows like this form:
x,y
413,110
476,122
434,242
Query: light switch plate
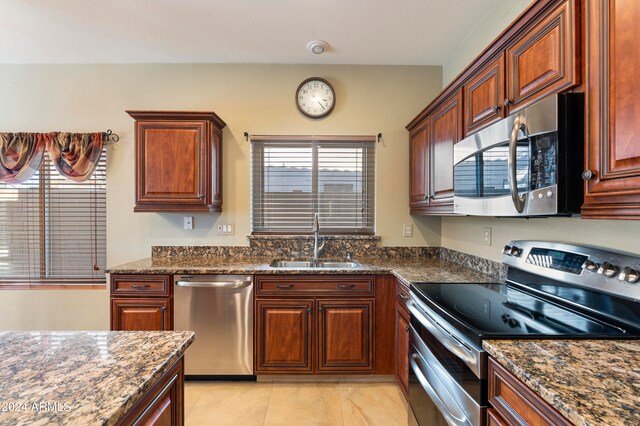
x,y
407,229
188,222
224,229
487,236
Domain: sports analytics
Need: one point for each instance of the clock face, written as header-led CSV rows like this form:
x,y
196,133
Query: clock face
x,y
315,97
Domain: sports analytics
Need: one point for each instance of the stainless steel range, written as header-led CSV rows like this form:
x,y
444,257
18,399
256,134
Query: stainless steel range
x,y
553,290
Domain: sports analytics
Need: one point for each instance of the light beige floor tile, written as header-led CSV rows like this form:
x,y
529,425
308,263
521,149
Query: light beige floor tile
x,y
231,404
372,404
192,392
304,404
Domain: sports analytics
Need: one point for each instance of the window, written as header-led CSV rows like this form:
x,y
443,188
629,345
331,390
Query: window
x,y
292,178
52,230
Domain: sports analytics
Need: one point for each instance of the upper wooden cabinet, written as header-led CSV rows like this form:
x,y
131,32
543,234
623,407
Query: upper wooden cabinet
x,y
178,161
612,189
484,97
431,143
545,59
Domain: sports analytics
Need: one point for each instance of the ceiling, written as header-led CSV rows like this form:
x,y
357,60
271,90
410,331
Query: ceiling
x,y
394,32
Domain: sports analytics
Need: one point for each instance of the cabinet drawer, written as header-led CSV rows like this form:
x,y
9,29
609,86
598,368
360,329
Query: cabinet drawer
x,y
402,295
141,285
517,403
319,286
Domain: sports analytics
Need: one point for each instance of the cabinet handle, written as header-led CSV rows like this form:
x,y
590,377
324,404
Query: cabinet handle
x,y
402,296
321,309
200,196
426,197
284,285
147,285
507,102
406,328
162,309
496,109
345,286
587,174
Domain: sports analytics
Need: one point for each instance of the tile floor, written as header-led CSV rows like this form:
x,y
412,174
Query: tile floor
x,y
343,402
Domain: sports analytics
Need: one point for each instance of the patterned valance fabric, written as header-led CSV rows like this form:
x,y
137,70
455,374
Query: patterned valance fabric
x,y
75,155
20,155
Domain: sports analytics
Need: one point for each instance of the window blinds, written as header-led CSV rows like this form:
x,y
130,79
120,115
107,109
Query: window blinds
x,y
53,230
292,178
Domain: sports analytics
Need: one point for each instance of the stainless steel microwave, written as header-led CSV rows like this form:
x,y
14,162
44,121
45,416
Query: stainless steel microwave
x,y
528,164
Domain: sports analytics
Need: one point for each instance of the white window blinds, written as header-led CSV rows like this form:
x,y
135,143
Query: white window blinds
x,y
53,230
294,177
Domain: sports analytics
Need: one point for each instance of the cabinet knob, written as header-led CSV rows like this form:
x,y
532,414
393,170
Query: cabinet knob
x,y
496,109
406,328
200,196
309,309
507,102
587,174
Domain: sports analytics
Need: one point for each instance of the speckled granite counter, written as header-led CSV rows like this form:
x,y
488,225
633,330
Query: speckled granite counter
x,y
589,382
424,269
81,378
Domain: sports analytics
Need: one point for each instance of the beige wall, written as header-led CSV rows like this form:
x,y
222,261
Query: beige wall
x,y
494,21
466,233
258,99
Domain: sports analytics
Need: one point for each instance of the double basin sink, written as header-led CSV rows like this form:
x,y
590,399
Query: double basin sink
x,y
313,265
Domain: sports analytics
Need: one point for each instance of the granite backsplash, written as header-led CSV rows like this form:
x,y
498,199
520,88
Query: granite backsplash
x,y
301,247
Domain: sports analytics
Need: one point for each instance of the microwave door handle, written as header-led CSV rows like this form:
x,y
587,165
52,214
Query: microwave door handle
x,y
520,123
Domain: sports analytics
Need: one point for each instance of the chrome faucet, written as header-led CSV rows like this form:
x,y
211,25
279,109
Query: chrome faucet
x,y
317,250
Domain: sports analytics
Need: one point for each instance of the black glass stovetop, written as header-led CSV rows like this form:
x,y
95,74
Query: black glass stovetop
x,y
535,310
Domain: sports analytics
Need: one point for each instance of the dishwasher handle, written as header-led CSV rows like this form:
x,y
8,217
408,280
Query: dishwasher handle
x,y
215,284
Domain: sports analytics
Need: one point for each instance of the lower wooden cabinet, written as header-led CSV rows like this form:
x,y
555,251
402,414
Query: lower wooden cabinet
x,y
308,335
162,404
515,403
494,419
345,334
141,314
284,327
141,302
402,350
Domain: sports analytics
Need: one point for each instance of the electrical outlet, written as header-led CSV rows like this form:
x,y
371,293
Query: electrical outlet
x,y
224,229
188,222
407,229
487,236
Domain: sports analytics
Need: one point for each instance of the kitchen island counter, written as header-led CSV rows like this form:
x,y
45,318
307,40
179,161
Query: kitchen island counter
x,y
88,378
590,382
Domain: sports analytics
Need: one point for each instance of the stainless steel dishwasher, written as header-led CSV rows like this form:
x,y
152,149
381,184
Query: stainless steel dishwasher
x,y
219,309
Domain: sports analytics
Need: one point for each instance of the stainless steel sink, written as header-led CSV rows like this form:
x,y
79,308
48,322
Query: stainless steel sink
x,y
313,265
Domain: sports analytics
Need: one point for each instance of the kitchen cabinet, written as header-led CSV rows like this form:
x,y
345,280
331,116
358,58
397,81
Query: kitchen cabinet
x,y
545,59
140,314
484,95
431,158
284,327
612,175
178,161
141,302
494,419
323,324
163,403
516,404
402,338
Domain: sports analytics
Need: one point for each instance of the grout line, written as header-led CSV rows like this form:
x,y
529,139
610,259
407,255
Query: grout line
x,y
266,410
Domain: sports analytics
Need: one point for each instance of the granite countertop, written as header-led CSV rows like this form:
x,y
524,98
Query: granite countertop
x,y
590,382
424,269
87,378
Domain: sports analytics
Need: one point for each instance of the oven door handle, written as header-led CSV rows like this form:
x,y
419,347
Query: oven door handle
x,y
520,123
443,336
452,413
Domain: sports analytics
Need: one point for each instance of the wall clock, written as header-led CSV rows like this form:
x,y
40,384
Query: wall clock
x,y
315,97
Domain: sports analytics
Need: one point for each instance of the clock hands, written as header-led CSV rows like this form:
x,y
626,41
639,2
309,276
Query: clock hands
x,y
321,106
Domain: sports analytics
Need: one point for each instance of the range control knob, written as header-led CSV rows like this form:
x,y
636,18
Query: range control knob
x,y
629,275
590,265
515,251
506,249
607,269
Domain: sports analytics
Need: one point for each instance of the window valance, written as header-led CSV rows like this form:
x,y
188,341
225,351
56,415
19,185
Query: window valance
x,y
75,155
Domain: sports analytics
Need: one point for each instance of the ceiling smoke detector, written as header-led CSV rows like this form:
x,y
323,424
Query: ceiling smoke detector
x,y
317,46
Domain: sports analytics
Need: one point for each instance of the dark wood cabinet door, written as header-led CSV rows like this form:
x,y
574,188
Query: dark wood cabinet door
x,y
141,314
283,335
494,418
545,59
446,130
402,350
484,97
178,161
613,115
419,167
345,335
